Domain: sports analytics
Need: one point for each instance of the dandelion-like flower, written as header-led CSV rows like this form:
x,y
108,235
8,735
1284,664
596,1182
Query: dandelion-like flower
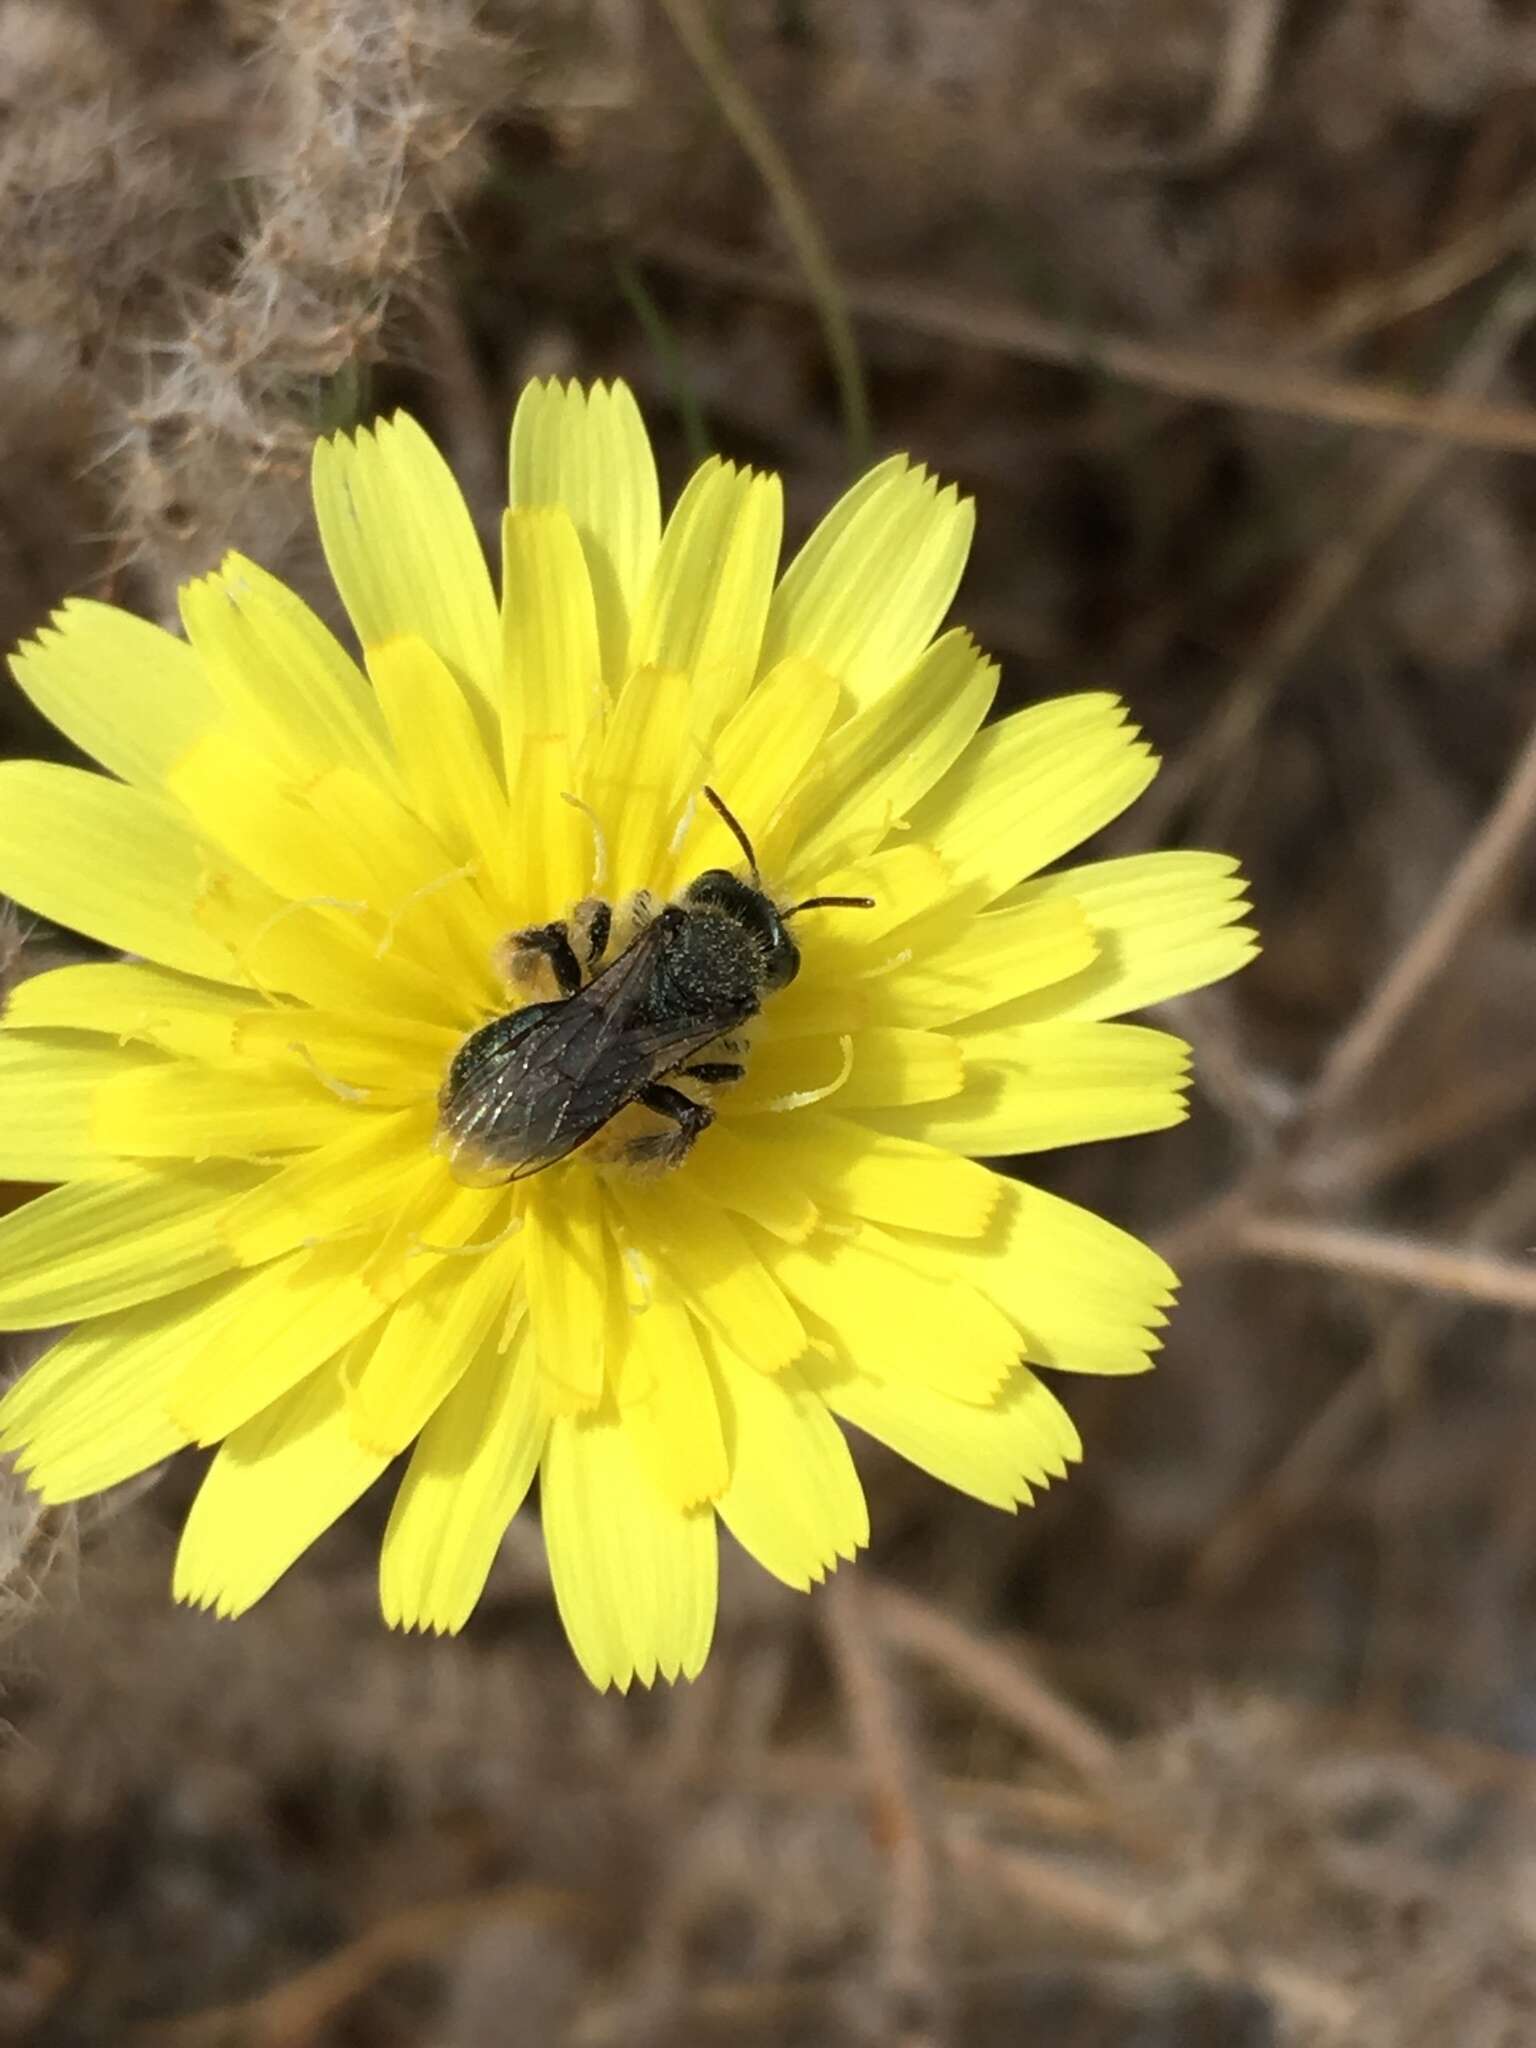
x,y
275,1234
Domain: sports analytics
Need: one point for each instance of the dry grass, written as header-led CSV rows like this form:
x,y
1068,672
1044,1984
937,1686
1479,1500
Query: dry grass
x,y
1228,326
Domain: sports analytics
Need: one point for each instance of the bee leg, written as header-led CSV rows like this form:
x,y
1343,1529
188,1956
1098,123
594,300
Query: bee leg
x,y
715,1071
551,942
670,1148
592,924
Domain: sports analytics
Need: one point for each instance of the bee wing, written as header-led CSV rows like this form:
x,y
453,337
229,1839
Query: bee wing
x,y
545,1079
599,1057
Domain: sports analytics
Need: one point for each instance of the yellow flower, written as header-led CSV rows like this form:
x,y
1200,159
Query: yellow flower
x,y
314,868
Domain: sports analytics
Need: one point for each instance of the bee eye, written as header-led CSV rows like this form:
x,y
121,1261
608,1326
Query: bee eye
x,y
781,959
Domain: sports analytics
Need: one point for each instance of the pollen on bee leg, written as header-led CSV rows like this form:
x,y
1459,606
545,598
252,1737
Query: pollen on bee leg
x,y
592,926
637,912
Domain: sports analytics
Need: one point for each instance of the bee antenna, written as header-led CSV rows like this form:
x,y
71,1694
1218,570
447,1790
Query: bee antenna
x,y
831,903
734,826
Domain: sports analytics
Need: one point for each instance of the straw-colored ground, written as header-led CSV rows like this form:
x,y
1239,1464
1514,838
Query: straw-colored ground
x,y
1226,317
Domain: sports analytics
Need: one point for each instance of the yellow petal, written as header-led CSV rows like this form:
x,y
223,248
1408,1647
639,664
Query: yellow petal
x,y
891,1318
128,1001
755,765
794,1501
907,882
1032,787
92,1411
468,1476
403,550
428,1344
286,1320
717,1270
453,783
787,1075
874,770
278,1483
708,598
565,1246
48,1086
438,1219
1021,1440
1087,1296
553,695
342,839
665,1394
386,1058
85,1250
854,957
361,1177
866,593
256,810
893,1066
283,679
1164,923
115,863
328,951
634,1578
729,1170
854,1171
587,449
1045,1085
1000,955
177,1111
554,676
126,692
636,787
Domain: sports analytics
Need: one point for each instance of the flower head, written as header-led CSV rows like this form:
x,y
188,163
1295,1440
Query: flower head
x,y
280,1231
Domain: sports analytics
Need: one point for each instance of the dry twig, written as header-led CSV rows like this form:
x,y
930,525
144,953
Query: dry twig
x,y
1400,1261
294,2012
1465,895
1284,387
900,1807
998,1675
1330,578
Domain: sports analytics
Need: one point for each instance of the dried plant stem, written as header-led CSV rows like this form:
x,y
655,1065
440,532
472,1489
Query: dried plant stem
x,y
1401,1261
801,228
1331,577
1467,892
1237,95
1045,1886
902,1821
1472,254
1361,1160
998,1675
1281,386
1128,1917
297,2011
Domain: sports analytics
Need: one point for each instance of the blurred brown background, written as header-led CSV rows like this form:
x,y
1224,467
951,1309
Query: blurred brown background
x,y
1225,310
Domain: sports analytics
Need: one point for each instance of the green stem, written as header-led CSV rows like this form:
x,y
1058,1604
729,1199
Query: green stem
x,y
800,226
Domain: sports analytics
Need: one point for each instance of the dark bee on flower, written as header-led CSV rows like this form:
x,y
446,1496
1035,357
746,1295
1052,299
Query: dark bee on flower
x,y
531,1087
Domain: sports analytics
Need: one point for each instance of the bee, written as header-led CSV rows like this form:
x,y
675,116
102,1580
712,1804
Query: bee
x,y
533,1086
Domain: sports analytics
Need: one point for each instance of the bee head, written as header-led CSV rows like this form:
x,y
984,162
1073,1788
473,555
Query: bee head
x,y
759,916
753,908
